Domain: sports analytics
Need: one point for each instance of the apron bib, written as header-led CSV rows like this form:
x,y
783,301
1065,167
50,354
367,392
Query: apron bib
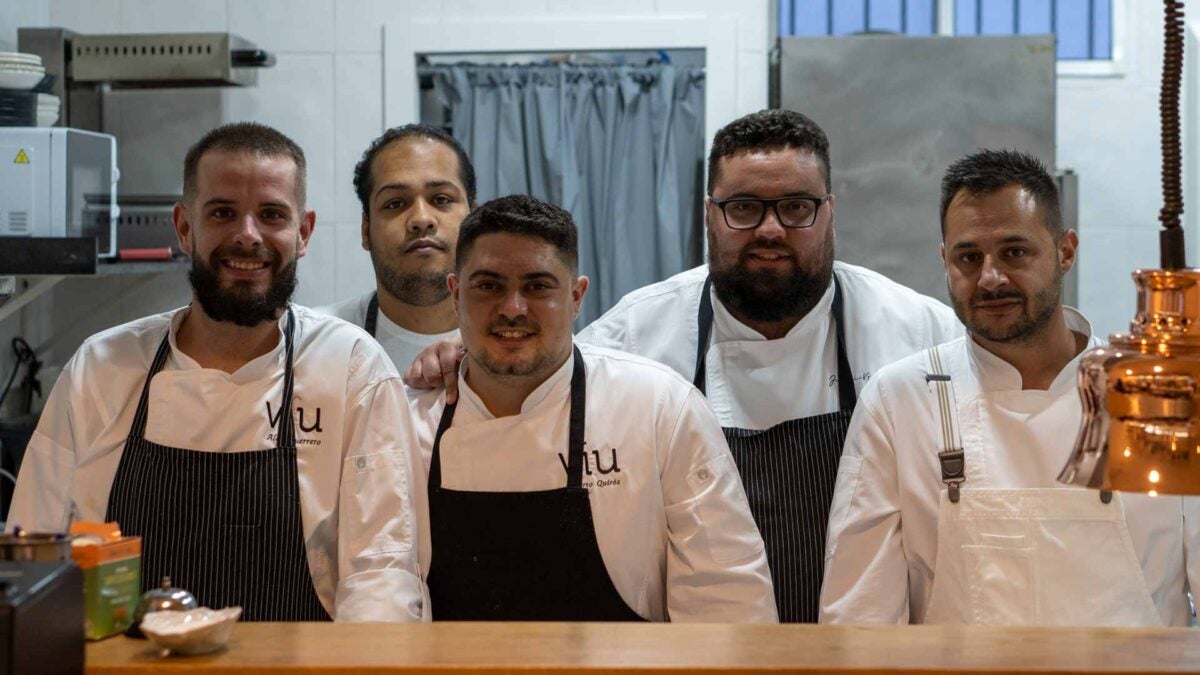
x,y
520,556
224,525
788,472
1027,557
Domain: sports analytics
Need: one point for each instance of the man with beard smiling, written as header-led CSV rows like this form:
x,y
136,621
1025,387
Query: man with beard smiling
x,y
416,184
777,334
159,424
947,508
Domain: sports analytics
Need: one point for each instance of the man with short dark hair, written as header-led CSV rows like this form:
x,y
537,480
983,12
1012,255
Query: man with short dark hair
x,y
947,508
416,184
777,334
570,482
160,424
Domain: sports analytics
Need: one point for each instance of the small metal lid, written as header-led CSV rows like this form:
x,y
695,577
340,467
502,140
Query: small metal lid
x,y
164,598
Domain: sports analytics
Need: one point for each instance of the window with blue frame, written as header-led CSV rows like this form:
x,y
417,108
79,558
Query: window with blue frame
x,y
1083,27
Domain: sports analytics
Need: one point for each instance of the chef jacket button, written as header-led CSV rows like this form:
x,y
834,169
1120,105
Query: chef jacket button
x,y
361,462
702,474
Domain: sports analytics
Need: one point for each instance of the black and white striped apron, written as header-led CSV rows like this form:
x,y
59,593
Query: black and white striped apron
x,y
224,525
788,472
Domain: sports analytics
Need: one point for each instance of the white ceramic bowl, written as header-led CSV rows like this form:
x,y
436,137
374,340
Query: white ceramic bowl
x,y
48,100
20,79
46,119
20,59
196,631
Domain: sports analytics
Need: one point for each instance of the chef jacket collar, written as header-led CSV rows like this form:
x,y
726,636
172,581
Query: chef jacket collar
x,y
556,388
264,366
996,374
729,329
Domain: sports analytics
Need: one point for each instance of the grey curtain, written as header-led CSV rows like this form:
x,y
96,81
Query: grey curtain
x,y
620,147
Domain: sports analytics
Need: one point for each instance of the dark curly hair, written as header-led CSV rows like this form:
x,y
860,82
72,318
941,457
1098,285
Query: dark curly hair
x,y
524,215
987,171
364,182
769,130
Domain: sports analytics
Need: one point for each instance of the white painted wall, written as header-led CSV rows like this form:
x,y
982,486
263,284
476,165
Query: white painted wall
x,y
327,92
1108,132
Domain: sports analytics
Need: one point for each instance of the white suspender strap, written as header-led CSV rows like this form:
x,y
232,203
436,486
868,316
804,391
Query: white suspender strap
x,y
950,457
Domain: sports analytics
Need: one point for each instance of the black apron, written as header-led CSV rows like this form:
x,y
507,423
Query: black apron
x,y
789,472
520,556
224,525
372,320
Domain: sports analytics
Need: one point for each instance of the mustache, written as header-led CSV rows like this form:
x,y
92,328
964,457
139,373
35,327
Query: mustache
x,y
773,247
519,323
264,254
992,296
433,240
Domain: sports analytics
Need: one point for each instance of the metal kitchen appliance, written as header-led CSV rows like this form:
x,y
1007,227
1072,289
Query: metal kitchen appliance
x,y
899,110
1141,393
85,66
41,618
49,176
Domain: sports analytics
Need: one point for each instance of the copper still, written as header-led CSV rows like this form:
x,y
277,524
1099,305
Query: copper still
x,y
1141,393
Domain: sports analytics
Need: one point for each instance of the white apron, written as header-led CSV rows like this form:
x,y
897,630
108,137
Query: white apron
x,y
1025,557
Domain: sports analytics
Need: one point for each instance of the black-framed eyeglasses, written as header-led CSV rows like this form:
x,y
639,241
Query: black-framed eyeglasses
x,y
746,213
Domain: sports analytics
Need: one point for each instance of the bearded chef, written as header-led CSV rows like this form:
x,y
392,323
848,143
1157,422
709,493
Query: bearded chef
x,y
947,508
777,334
261,450
572,482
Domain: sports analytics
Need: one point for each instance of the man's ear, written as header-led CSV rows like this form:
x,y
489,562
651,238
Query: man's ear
x,y
308,220
577,293
1068,246
183,228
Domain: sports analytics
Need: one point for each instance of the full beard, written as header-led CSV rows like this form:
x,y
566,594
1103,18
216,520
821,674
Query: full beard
x,y
766,295
238,305
419,289
1035,315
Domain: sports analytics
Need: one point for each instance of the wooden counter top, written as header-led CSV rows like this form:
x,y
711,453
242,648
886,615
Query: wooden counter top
x,y
364,649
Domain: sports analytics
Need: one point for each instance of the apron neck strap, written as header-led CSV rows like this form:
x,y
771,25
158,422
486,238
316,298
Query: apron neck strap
x,y
847,398
372,321
286,432
575,456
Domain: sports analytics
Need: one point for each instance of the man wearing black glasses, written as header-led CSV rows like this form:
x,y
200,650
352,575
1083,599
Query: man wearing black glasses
x,y
778,335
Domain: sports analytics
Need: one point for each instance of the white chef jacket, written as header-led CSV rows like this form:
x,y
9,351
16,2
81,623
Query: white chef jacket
x,y
755,383
401,344
882,542
360,500
672,522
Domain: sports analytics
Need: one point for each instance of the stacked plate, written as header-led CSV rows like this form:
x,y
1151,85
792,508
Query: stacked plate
x,y
47,110
20,71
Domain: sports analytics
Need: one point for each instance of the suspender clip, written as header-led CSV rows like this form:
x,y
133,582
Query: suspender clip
x,y
953,471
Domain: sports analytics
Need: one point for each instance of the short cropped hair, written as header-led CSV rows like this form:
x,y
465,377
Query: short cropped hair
x,y
987,171
245,137
364,181
774,129
523,215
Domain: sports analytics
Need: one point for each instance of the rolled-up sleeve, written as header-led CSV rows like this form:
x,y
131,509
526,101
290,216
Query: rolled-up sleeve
x,y
382,511
716,562
866,574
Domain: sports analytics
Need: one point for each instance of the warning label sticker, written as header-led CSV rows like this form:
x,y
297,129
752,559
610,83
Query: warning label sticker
x,y
21,157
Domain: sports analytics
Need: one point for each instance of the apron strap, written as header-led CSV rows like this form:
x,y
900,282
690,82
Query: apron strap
x,y
575,438
286,433
372,320
951,456
847,397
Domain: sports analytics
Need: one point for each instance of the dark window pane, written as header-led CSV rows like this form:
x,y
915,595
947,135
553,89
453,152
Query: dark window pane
x,y
1102,25
1072,20
965,12
921,17
1035,17
884,15
849,16
996,17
